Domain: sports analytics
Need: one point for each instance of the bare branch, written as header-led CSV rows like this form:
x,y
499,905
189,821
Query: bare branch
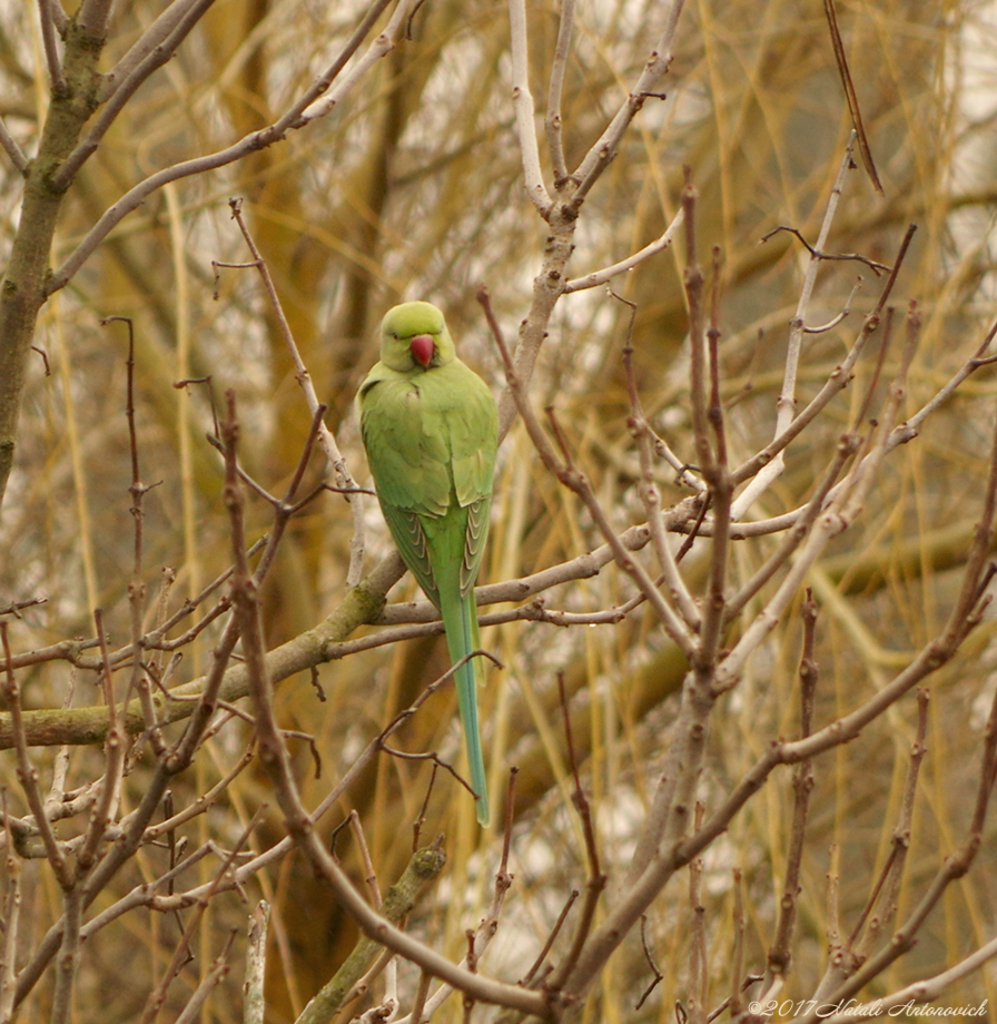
x,y
698,972
658,976
92,17
344,478
883,898
125,86
572,478
597,880
11,918
554,932
212,978
603,150
925,991
781,951
608,273
159,35
46,14
786,404
320,105
834,321
12,149
907,430
522,101
27,775
964,616
651,497
368,958
114,759
552,122
299,114
850,94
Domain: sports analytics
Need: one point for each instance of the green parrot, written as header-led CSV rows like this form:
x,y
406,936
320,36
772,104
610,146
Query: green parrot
x,y
430,427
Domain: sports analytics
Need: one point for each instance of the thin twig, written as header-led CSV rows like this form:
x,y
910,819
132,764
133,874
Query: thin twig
x,y
817,253
835,320
608,273
716,473
907,430
214,977
596,879
344,478
136,585
603,150
554,932
658,976
846,447
786,403
12,149
649,493
115,748
850,94
552,122
780,953
11,919
27,775
698,966
883,898
47,17
737,960
371,875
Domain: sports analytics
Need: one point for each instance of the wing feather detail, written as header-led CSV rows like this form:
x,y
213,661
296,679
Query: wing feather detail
x,y
408,534
475,535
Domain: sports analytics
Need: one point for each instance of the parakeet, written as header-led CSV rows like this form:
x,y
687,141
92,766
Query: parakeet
x,y
430,427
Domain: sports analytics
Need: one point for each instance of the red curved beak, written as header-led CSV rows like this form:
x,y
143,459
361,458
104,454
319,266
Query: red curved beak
x,y
423,349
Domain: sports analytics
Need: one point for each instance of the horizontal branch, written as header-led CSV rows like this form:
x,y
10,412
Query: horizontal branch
x,y
361,606
364,605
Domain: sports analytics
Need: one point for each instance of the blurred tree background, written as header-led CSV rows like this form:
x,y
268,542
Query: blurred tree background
x,y
413,189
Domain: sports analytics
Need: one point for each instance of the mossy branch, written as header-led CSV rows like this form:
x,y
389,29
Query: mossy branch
x,y
77,726
424,866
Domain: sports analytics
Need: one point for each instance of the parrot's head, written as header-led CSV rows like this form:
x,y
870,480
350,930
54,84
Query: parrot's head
x,y
414,336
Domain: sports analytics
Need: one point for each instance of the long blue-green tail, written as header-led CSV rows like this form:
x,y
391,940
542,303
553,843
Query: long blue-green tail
x,y
460,619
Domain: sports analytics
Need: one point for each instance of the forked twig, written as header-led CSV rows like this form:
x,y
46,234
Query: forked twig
x,y
658,976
